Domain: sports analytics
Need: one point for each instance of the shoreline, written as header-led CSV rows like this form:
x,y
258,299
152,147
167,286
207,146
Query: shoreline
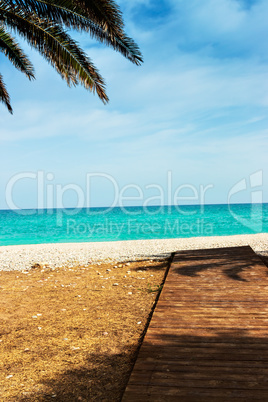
x,y
52,255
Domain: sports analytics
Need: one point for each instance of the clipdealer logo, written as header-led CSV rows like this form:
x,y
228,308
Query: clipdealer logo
x,y
254,186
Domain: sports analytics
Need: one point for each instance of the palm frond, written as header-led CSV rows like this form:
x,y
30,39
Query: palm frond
x,y
60,11
42,22
102,19
4,96
107,15
11,49
58,48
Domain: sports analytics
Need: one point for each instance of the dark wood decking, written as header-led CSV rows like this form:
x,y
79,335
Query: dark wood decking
x,y
208,337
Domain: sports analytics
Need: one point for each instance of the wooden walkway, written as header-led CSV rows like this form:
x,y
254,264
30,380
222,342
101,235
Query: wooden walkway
x,y
208,337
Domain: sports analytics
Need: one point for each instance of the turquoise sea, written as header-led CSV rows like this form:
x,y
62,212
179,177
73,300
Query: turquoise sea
x,y
131,223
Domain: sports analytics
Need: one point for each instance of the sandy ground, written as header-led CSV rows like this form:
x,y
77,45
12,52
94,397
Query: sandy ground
x,y
24,257
72,334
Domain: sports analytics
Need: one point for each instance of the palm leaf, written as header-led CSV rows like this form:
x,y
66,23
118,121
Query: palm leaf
x,y
42,22
108,16
10,47
4,96
60,11
105,13
57,47
103,21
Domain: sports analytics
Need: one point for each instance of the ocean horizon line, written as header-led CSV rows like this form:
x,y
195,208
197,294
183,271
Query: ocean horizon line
x,y
133,206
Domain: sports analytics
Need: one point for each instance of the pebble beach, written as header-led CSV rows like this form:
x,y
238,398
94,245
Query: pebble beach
x,y
55,255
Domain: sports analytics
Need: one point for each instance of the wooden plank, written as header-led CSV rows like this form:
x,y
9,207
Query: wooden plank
x,y
193,364
135,396
149,393
200,370
207,339
171,380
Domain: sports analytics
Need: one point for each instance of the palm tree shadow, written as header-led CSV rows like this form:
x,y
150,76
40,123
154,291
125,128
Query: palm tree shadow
x,y
194,262
234,273
103,377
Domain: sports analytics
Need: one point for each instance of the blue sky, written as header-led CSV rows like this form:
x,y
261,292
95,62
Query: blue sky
x,y
195,111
